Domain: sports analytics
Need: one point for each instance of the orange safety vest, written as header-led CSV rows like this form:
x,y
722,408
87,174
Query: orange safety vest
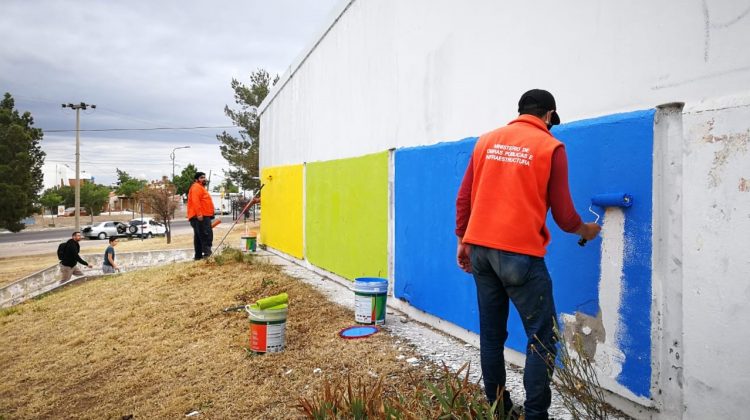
x,y
509,200
199,202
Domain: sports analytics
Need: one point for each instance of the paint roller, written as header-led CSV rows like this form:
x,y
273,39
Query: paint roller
x,y
607,200
272,301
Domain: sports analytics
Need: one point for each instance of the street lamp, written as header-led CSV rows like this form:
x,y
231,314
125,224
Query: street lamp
x,y
172,156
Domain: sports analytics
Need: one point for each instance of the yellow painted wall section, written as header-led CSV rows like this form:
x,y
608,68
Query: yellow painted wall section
x,y
281,214
346,221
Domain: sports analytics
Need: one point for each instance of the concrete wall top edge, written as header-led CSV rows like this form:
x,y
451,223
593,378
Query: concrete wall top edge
x,y
333,17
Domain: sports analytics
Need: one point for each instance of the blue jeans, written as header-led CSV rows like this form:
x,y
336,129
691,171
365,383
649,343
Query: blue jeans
x,y
501,277
203,237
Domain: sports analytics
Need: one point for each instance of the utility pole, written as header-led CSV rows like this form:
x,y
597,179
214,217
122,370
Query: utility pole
x,y
78,108
171,155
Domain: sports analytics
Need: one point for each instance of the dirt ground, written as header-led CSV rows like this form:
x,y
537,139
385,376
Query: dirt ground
x,y
157,344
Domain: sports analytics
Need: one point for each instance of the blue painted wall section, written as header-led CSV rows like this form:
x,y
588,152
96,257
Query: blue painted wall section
x,y
607,154
610,154
426,275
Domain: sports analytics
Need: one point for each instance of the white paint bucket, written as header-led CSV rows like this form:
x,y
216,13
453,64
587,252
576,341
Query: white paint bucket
x,y
370,294
267,328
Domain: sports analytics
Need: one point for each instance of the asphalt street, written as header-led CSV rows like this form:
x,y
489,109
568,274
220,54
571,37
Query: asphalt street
x,y
61,234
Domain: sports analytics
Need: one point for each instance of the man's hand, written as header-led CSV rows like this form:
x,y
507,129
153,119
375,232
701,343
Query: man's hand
x,y
589,231
463,258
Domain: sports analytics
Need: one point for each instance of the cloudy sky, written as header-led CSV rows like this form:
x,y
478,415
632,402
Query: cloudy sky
x,y
145,64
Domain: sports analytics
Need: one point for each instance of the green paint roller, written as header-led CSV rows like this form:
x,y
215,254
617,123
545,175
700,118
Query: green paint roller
x,y
608,200
271,301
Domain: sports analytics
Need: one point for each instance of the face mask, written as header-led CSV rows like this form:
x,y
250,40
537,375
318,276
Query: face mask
x,y
549,126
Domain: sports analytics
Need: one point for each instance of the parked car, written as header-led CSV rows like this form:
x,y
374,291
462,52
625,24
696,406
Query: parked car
x,y
146,227
71,211
104,230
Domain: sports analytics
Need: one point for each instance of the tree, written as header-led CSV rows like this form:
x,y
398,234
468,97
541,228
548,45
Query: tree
x,y
21,160
184,180
228,186
127,185
93,198
50,199
67,193
242,153
160,196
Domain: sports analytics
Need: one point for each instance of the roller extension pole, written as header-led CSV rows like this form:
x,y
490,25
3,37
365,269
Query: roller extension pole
x,y
238,216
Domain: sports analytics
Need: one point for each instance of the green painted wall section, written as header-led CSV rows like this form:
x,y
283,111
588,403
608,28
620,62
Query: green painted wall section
x,y
346,215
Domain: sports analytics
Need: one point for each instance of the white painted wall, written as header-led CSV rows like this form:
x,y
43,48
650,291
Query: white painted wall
x,y
716,265
391,74
401,73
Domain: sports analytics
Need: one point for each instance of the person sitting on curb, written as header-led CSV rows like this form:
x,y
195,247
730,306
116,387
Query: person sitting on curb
x,y
108,265
70,259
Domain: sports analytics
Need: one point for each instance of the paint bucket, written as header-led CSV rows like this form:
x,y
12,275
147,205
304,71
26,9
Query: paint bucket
x,y
267,328
248,243
370,295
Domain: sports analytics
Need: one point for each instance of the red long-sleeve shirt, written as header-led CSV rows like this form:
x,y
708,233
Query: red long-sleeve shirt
x,y
558,195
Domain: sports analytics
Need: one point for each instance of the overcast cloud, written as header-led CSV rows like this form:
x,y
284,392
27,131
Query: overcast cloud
x,y
144,64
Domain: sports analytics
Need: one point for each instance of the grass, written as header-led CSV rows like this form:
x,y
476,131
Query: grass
x,y
15,268
156,343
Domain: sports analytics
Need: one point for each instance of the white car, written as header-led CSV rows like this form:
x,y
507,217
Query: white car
x,y
146,227
104,230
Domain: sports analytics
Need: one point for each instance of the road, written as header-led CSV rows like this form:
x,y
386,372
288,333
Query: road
x,y
63,234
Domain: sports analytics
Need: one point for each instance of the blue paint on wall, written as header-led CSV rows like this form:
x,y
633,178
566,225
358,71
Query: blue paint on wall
x,y
610,154
426,275
607,154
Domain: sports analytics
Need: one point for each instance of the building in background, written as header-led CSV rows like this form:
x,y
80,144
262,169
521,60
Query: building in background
x,y
60,174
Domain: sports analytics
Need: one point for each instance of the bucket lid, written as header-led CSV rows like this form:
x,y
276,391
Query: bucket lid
x,y
370,284
358,331
274,313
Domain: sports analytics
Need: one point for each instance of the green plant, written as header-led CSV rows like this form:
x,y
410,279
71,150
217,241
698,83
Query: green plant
x,y
9,311
451,396
576,380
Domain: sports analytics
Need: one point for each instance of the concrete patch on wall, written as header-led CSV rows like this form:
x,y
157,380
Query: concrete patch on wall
x,y
282,209
731,145
346,215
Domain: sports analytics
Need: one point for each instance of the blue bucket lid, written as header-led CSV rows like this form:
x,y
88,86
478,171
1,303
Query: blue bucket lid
x,y
358,331
371,284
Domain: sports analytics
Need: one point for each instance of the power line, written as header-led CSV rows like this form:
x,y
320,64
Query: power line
x,y
200,127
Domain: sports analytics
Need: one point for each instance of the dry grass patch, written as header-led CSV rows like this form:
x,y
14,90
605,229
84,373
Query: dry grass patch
x,y
18,267
157,344
15,268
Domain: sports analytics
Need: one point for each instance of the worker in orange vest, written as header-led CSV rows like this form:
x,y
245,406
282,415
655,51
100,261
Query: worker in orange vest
x,y
515,175
200,212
